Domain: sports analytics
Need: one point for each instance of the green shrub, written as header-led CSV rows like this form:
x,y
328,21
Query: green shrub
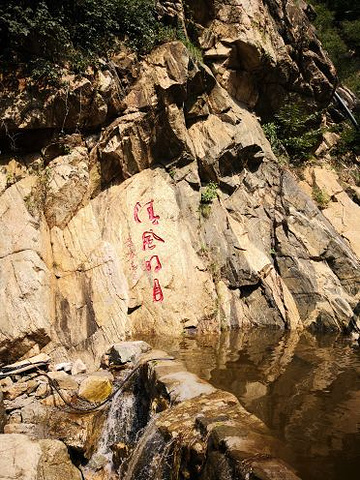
x,y
271,132
209,193
338,27
205,209
194,51
172,172
295,131
351,31
137,21
35,200
10,179
320,197
349,140
355,173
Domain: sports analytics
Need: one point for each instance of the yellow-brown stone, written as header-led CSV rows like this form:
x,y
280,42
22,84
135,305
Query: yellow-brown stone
x,y
95,388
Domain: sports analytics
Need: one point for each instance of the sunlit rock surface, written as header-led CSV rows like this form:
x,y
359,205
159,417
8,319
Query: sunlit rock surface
x,y
35,459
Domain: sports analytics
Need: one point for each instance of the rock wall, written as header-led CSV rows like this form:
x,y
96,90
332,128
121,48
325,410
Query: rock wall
x,y
260,50
108,233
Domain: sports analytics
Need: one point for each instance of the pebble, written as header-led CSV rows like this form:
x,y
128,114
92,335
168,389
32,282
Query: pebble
x,y
15,390
78,367
19,402
66,366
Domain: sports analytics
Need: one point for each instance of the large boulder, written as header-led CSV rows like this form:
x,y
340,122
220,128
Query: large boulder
x,y
95,388
35,459
125,352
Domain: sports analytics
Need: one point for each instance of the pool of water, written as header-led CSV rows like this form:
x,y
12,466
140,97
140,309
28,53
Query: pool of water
x,y
305,388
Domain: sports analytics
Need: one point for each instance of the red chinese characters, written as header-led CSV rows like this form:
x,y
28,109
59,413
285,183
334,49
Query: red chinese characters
x,y
150,240
137,209
157,291
158,265
150,210
131,254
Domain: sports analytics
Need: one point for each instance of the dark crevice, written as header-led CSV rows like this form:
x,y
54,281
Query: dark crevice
x,y
133,309
317,258
351,194
233,288
275,261
77,456
32,140
190,121
247,290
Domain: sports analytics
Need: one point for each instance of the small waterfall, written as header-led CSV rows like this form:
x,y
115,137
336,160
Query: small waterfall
x,y
118,428
152,458
120,421
127,415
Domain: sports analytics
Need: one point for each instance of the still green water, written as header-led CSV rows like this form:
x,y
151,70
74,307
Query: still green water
x,y
305,388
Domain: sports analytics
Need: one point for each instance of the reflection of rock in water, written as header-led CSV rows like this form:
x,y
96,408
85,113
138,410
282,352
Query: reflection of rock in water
x,y
318,414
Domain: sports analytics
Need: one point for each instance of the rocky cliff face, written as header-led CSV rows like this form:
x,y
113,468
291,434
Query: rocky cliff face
x,y
117,227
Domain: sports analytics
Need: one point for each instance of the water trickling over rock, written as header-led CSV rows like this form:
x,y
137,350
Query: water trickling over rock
x,y
152,457
117,430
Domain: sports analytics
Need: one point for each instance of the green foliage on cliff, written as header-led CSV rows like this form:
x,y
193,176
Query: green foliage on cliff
x,y
320,197
349,140
209,193
38,36
338,26
295,131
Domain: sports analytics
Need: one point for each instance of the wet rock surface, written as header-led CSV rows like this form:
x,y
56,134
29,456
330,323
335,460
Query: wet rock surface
x,y
192,430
